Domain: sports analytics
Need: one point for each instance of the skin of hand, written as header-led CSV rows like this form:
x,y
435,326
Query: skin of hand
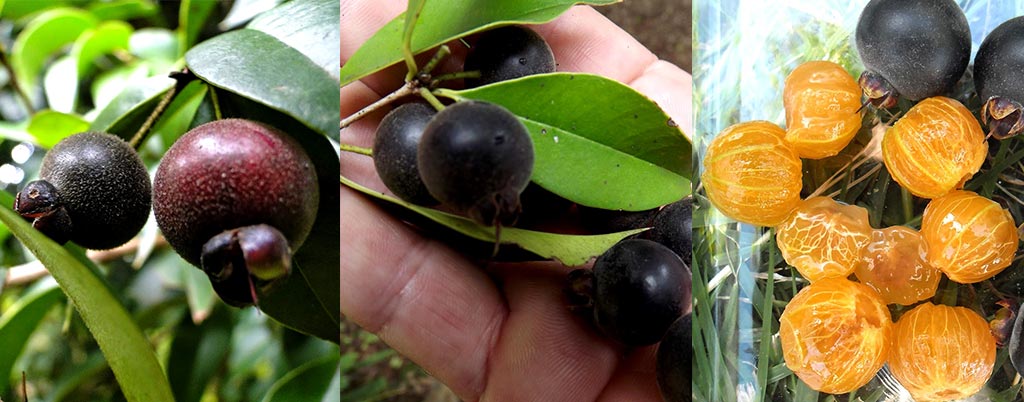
x,y
500,332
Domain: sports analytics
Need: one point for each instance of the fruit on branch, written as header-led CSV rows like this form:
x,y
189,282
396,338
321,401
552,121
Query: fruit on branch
x,y
394,152
507,53
997,78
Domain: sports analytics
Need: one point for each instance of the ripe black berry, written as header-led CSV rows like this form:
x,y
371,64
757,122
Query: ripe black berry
x,y
93,190
507,53
674,354
236,198
394,152
638,291
598,220
477,157
911,48
673,228
997,78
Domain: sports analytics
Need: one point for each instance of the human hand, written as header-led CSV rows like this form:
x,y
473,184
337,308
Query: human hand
x,y
500,332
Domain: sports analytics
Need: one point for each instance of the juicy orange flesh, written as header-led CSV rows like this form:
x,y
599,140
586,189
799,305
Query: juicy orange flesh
x,y
940,352
821,101
751,174
823,238
895,264
934,148
835,335
970,238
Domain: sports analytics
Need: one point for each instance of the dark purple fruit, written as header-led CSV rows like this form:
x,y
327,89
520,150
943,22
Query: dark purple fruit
x,y
1016,340
598,220
673,228
93,190
674,367
638,291
236,198
394,152
997,77
477,158
911,48
507,53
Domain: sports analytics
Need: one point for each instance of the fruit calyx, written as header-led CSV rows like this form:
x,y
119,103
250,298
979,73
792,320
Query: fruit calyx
x,y
259,252
880,93
1004,117
40,201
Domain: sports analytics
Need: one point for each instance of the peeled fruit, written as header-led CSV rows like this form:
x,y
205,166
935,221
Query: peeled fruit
x,y
835,335
823,238
752,174
822,104
895,264
941,353
970,238
935,148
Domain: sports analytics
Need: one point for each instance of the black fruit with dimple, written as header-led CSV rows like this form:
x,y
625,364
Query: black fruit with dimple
x,y
673,227
911,48
93,190
394,152
638,291
673,366
507,53
477,158
997,77
236,198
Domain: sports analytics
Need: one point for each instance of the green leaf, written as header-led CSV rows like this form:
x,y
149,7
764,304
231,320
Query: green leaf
x,y
109,84
49,127
45,35
192,16
16,131
178,115
307,26
437,25
126,113
62,79
633,156
570,250
309,382
123,9
197,353
259,67
60,84
19,322
125,347
198,291
77,375
154,44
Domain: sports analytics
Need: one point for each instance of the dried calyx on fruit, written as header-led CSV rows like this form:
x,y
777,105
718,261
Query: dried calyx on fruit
x,y
93,190
236,198
507,53
895,38
997,70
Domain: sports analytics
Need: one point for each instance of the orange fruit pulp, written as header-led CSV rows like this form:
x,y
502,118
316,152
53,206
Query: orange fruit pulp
x,y
895,264
823,238
970,238
822,102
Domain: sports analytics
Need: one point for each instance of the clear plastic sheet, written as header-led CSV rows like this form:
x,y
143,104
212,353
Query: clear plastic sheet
x,y
743,51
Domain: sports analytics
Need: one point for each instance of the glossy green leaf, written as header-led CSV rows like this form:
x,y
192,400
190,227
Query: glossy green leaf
x,y
571,250
126,113
309,26
60,84
49,127
62,78
309,382
192,15
126,349
154,44
259,67
15,131
598,142
41,38
109,84
178,115
19,322
123,9
437,26
197,353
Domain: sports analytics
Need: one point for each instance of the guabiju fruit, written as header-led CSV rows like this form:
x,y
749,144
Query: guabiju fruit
x,y
935,148
752,174
477,158
394,152
507,53
895,263
823,238
822,102
673,365
93,190
911,48
997,70
970,238
236,198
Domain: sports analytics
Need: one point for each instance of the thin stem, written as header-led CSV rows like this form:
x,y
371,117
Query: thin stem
x,y
357,150
14,80
431,99
216,104
411,17
456,76
407,89
441,53
160,107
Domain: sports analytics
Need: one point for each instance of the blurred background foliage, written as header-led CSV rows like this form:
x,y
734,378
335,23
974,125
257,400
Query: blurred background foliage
x,y
68,65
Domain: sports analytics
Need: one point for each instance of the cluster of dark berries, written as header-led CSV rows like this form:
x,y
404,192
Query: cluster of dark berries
x,y
233,197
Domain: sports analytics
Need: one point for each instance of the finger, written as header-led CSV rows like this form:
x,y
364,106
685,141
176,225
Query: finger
x,y
635,379
545,353
671,88
423,299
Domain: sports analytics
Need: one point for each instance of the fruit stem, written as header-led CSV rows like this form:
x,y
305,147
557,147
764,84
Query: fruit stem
x,y
216,103
442,52
14,80
455,76
407,89
415,8
356,149
431,99
136,140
